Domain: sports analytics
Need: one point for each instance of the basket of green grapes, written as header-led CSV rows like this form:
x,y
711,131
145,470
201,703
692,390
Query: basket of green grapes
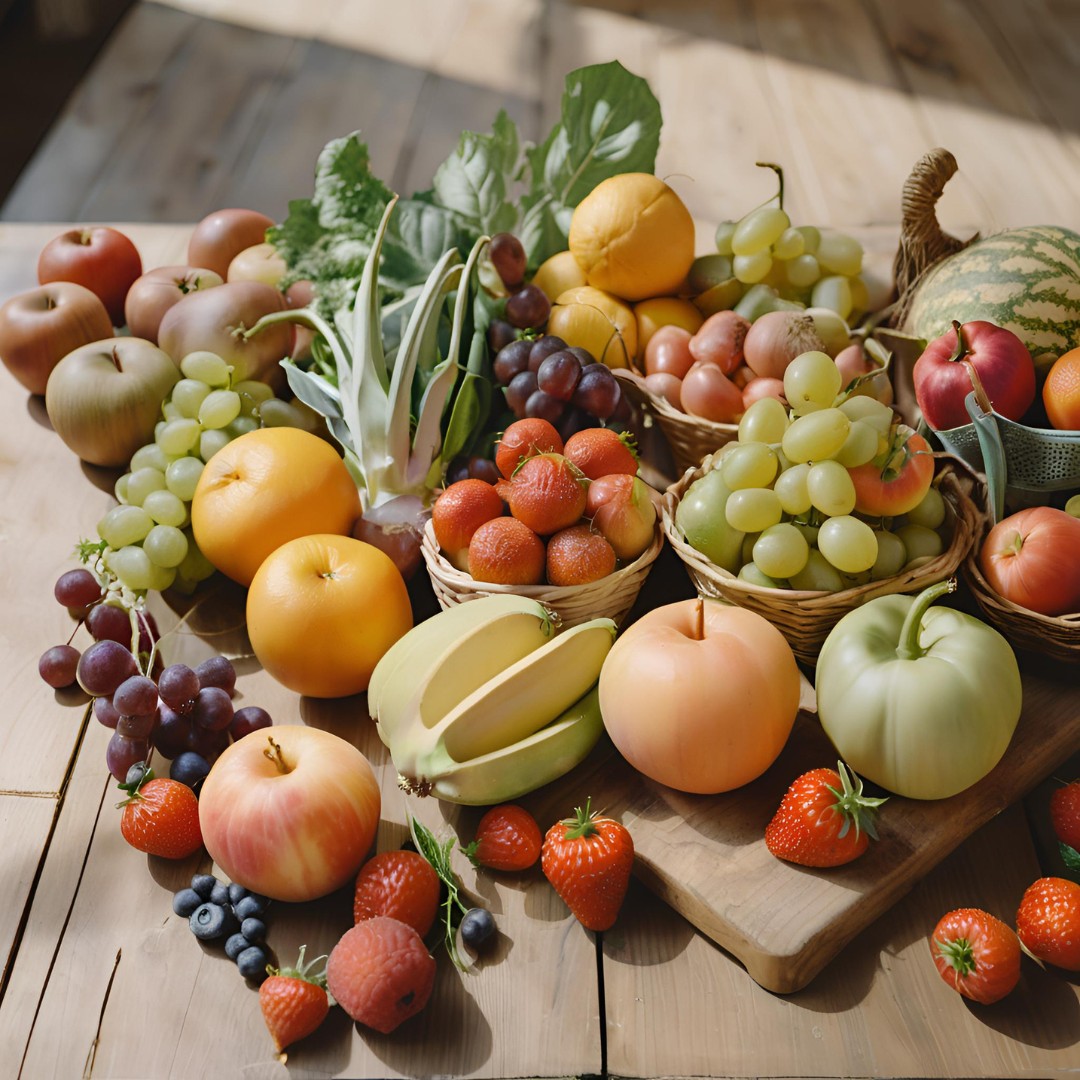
x,y
820,505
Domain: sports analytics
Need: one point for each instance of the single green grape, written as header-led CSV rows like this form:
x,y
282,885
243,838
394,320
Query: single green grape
x,y
757,231
811,237
252,394
724,232
220,408
869,410
206,367
860,446
749,465
123,525
171,411
750,269
802,271
151,455
210,442
818,575
891,555
811,382
195,566
831,489
166,546
753,509
833,292
781,551
178,436
816,436
135,570
920,542
930,512
277,413
188,395
790,244
765,421
753,576
165,508
141,482
241,426
839,253
792,491
848,543
120,488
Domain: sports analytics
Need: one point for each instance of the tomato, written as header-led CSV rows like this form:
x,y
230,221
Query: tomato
x,y
896,481
102,259
1032,558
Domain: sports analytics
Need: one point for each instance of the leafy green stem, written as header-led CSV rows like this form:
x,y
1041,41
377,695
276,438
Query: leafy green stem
x,y
437,854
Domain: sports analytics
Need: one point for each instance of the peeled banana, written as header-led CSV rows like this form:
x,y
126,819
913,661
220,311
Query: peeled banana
x,y
498,710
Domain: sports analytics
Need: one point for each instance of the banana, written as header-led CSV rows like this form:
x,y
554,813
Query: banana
x,y
509,773
411,656
507,709
427,686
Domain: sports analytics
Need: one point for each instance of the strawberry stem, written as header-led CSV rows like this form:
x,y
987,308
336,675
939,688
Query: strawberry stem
x,y
857,809
959,955
583,823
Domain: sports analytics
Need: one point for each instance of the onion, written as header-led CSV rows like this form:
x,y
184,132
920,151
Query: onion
x,y
397,528
777,338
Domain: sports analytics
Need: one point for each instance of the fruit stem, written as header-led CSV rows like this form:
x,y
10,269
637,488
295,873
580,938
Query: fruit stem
x,y
961,346
116,359
699,619
275,755
779,196
908,647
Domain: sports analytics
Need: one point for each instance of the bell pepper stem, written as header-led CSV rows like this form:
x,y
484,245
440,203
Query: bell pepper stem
x,y
908,647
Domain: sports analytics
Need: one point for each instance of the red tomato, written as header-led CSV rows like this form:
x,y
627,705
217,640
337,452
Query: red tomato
x,y
102,259
900,483
1032,559
976,954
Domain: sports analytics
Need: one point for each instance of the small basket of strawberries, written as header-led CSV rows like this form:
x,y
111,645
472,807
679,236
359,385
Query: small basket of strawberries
x,y
572,525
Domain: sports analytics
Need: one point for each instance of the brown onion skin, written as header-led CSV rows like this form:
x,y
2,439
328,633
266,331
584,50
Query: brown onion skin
x,y
720,340
776,338
396,528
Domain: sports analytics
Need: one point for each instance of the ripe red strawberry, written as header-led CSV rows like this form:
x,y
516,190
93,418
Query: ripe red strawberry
x,y
588,859
507,838
400,884
161,817
814,824
1048,922
977,954
599,451
294,1001
1065,814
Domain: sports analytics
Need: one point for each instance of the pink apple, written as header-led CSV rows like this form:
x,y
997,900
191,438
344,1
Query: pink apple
x,y
222,235
40,327
290,812
623,509
158,290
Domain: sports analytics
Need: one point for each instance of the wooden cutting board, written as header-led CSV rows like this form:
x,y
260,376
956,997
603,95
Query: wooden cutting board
x,y
706,856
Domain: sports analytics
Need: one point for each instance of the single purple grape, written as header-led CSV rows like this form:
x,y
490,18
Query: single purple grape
x,y
217,671
104,666
105,712
542,348
122,753
58,666
178,684
213,709
172,732
109,622
248,719
77,589
137,696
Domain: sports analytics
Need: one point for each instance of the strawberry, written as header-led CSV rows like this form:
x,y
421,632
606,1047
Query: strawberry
x,y
507,838
1048,922
401,884
599,451
161,817
977,954
1065,818
294,1001
588,858
813,825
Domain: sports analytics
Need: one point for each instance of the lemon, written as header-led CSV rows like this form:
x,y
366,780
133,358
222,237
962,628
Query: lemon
x,y
596,321
633,237
557,274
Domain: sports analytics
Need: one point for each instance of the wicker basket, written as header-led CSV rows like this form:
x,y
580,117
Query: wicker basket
x,y
690,437
612,596
1054,636
805,618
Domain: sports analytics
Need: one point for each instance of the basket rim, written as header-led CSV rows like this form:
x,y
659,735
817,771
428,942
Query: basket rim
x,y
451,576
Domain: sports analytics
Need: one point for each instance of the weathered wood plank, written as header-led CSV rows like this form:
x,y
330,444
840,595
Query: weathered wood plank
x,y
879,1010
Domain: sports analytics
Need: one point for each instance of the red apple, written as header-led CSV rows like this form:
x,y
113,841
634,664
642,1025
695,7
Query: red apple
x,y
260,262
623,510
102,259
215,320
222,235
947,370
700,695
105,398
157,290
290,812
40,327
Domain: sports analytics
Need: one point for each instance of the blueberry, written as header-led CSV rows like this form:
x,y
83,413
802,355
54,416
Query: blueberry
x,y
477,925
236,894
235,945
251,963
185,902
208,922
254,930
219,895
189,768
251,905
135,774
204,884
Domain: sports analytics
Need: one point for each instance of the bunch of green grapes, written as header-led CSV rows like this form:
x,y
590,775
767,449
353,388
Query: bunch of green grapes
x,y
778,506
146,542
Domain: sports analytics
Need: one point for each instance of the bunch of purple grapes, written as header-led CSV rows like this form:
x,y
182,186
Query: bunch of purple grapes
x,y
540,374
187,714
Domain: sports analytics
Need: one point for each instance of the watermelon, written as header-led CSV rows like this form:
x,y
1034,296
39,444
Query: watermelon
x,y
1026,279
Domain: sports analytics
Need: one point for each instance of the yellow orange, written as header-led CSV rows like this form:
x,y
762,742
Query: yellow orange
x,y
664,311
633,236
321,612
265,488
1061,392
598,322
559,273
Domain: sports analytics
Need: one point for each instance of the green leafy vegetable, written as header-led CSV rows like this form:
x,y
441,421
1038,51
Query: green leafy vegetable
x,y
438,855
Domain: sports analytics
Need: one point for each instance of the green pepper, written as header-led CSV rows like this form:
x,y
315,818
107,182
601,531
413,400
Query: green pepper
x,y
921,700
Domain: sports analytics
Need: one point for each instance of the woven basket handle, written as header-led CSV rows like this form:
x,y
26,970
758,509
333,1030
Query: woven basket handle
x,y
923,243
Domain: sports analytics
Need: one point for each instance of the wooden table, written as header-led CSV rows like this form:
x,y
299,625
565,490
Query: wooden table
x,y
100,977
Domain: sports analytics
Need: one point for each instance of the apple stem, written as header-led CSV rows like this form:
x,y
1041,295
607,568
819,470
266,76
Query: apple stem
x,y
699,622
275,755
116,359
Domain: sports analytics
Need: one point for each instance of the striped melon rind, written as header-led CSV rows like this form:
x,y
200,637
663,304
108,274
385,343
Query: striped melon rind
x,y
1026,279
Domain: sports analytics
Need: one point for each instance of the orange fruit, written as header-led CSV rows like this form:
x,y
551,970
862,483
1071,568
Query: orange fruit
x,y
548,493
522,439
504,551
596,321
458,512
322,610
598,451
577,555
265,488
401,884
1061,392
380,973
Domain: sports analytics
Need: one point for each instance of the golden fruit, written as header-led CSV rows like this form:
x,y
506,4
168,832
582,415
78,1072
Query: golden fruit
x,y
633,236
557,274
596,321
